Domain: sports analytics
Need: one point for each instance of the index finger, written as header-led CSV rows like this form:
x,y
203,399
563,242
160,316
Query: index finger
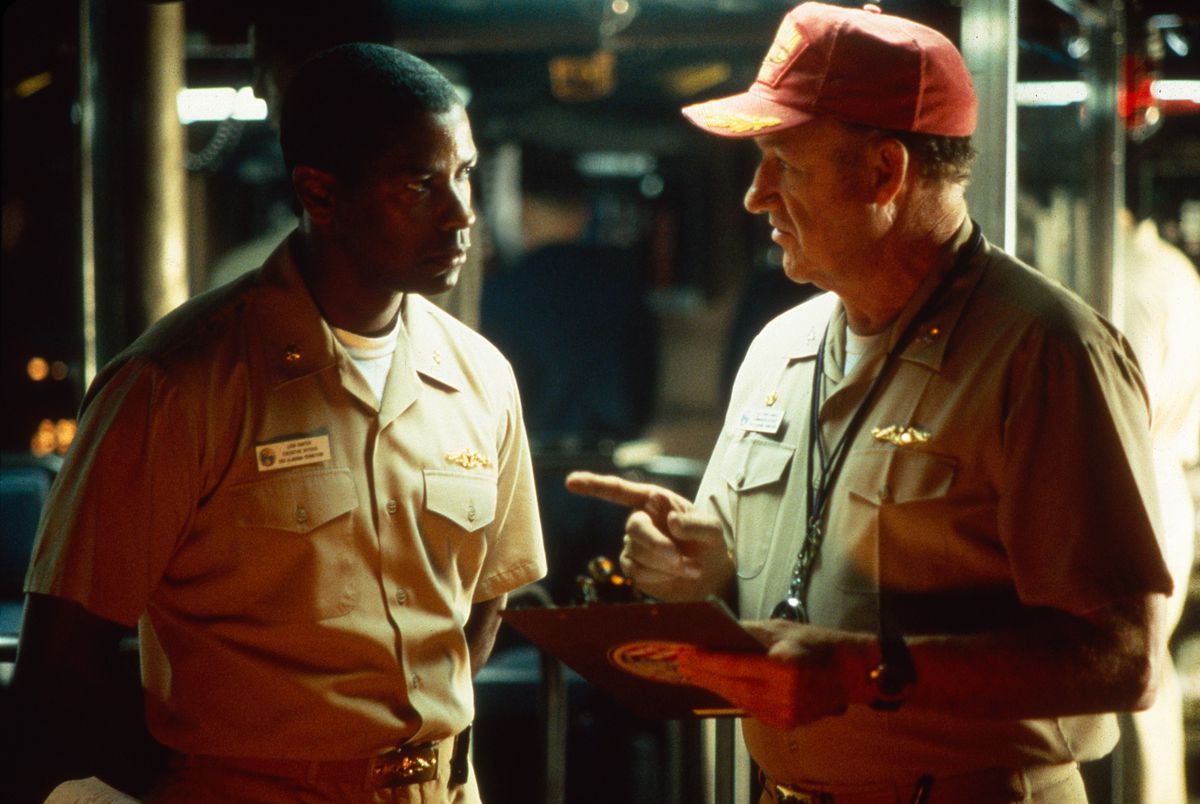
x,y
610,488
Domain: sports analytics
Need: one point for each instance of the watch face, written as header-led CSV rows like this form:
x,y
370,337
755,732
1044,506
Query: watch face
x,y
891,682
791,609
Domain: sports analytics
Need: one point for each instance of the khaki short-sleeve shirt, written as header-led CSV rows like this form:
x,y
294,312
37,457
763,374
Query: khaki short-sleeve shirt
x,y
1024,480
300,557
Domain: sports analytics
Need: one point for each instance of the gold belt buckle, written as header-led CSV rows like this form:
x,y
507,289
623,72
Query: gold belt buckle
x,y
405,765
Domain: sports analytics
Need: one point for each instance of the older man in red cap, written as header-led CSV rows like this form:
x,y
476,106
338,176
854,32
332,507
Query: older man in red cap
x,y
932,498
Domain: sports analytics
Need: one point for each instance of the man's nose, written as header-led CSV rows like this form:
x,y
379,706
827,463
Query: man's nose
x,y
761,191
460,214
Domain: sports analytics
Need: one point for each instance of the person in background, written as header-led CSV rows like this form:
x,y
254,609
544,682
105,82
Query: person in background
x,y
563,295
570,312
1162,320
932,499
309,489
767,293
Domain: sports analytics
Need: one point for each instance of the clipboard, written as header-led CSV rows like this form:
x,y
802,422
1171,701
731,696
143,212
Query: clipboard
x,y
626,650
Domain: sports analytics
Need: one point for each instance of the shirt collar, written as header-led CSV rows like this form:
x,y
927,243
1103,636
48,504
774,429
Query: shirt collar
x,y
433,355
296,338
932,333
422,353
928,343
806,338
299,342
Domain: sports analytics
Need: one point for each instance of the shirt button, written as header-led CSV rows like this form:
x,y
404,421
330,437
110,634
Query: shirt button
x,y
301,514
401,597
392,507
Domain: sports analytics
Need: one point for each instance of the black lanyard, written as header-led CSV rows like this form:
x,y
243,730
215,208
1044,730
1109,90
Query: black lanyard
x,y
794,606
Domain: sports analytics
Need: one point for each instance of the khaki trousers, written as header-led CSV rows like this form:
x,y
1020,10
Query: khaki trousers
x,y
1043,784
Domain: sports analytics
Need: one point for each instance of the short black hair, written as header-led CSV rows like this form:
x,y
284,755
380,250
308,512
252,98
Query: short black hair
x,y
349,103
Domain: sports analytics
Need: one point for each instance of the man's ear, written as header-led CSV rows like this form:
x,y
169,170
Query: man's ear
x,y
314,188
889,169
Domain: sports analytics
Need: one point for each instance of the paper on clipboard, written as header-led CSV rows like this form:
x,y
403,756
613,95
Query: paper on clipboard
x,y
627,649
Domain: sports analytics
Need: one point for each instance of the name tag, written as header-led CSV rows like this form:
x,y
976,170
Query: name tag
x,y
761,420
294,452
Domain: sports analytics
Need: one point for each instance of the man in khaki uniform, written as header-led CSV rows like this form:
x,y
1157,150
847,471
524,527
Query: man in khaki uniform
x,y
310,489
932,497
1162,319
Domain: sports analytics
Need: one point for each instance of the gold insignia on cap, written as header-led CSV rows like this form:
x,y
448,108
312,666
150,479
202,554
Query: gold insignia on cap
x,y
790,41
781,49
468,459
737,122
900,436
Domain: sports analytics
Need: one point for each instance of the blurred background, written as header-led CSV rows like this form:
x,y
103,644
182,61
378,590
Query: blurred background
x,y
613,262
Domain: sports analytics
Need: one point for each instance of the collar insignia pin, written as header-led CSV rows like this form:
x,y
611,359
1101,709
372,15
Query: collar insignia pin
x,y
290,354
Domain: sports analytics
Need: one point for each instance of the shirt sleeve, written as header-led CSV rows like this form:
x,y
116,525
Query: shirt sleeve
x,y
125,495
516,554
1078,512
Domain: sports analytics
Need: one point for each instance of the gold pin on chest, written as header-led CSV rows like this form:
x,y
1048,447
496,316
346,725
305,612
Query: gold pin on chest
x,y
468,459
901,436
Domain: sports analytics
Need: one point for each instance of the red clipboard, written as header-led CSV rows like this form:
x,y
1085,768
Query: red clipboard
x,y
626,649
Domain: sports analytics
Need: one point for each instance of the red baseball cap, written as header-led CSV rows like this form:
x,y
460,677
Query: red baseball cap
x,y
855,65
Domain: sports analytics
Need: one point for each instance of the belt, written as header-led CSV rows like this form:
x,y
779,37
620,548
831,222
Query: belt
x,y
403,765
987,785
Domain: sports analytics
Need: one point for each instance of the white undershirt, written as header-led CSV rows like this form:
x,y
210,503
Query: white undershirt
x,y
371,355
857,346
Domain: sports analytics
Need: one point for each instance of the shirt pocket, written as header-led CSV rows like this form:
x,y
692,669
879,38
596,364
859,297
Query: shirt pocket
x,y
755,472
467,501
298,502
294,541
895,517
458,508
